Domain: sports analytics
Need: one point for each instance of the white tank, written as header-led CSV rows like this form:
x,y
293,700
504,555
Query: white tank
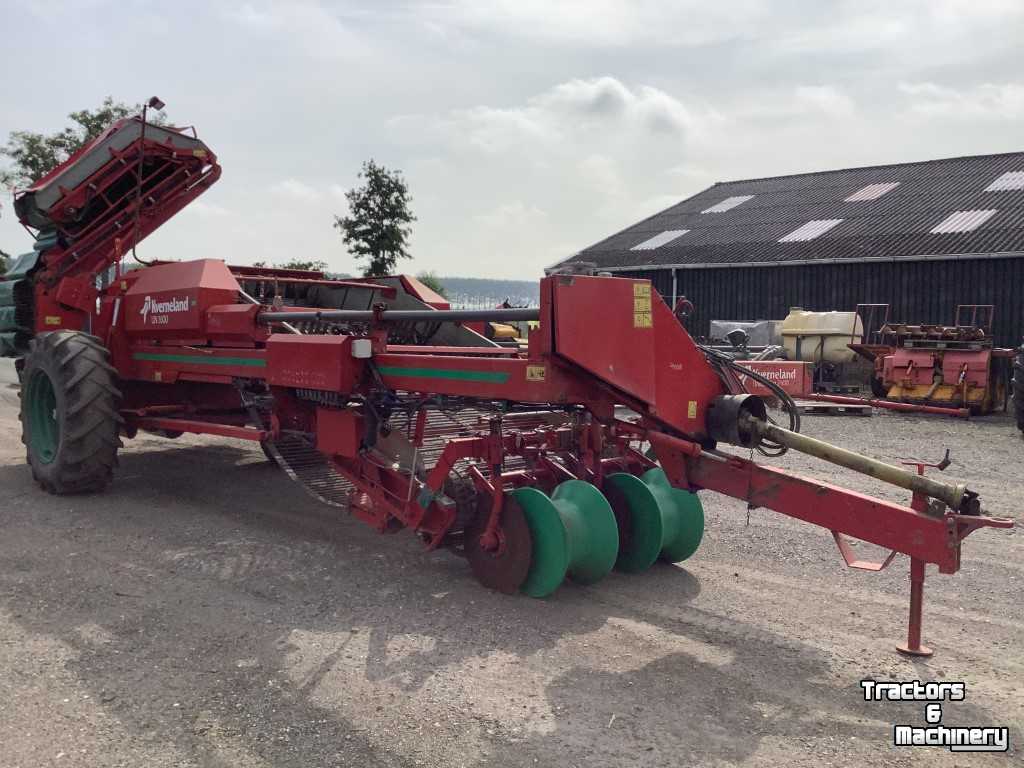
x,y
820,336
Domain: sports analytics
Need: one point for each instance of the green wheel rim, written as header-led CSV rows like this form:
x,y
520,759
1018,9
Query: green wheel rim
x,y
41,409
639,520
550,554
682,517
592,533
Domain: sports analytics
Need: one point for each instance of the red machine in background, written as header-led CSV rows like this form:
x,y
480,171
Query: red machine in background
x,y
947,366
534,464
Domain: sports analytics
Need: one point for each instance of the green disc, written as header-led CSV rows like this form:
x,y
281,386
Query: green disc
x,y
682,516
639,521
592,533
550,556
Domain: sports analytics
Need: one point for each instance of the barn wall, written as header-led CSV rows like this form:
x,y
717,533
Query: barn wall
x,y
919,291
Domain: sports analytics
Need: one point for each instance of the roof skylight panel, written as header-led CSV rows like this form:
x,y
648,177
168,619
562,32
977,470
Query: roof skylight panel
x,y
871,192
809,231
659,240
1008,181
728,204
963,221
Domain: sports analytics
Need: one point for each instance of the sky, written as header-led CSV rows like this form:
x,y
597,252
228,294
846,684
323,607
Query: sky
x,y
526,129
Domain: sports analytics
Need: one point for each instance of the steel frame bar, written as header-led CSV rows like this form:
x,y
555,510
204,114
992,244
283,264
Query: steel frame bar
x,y
926,537
200,428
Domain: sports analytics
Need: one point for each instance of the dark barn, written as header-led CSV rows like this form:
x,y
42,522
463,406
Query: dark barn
x,y
922,237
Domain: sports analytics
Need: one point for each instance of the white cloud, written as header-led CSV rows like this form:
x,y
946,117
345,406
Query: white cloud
x,y
516,149
303,26
826,99
511,217
206,210
337,193
800,101
904,29
986,101
584,155
606,22
293,189
570,112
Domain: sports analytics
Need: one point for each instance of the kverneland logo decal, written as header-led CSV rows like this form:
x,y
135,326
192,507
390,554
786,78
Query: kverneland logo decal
x,y
158,310
779,375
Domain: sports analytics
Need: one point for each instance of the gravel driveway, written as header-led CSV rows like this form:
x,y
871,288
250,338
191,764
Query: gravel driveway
x,y
205,612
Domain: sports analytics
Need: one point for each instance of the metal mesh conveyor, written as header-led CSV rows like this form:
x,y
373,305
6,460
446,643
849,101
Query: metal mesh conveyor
x,y
304,464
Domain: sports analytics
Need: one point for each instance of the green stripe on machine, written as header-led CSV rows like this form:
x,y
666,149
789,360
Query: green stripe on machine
x,y
161,357
494,377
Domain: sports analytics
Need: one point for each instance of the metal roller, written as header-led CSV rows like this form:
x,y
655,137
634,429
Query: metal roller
x,y
574,534
654,519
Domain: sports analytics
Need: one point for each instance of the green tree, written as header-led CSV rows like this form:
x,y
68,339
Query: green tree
x,y
377,226
33,155
433,282
309,266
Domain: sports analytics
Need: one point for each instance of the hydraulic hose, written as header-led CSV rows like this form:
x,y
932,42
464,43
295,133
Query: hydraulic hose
x,y
729,369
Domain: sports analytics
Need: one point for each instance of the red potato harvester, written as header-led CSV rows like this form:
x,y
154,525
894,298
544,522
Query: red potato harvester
x,y
581,454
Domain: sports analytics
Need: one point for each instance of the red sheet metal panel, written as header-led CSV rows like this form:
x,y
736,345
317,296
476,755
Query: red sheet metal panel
x,y
914,367
684,382
170,300
977,366
166,364
606,326
234,324
338,432
312,362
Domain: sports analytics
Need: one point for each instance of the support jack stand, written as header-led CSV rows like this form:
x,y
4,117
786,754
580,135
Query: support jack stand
x,y
913,645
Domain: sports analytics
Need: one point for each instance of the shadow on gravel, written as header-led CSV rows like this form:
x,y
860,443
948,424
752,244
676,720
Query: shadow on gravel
x,y
184,590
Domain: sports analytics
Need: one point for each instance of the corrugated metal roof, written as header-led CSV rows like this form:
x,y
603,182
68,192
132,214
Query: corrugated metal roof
x,y
871,192
728,204
963,221
809,231
898,223
1009,180
663,238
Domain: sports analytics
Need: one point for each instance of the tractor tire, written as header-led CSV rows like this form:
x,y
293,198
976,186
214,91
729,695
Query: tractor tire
x,y
1018,388
69,412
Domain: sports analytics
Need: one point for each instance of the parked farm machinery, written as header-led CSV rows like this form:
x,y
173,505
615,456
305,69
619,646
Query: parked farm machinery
x,y
582,453
939,366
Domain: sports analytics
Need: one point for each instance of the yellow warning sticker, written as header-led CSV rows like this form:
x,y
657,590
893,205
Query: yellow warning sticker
x,y
53,320
642,305
536,372
691,409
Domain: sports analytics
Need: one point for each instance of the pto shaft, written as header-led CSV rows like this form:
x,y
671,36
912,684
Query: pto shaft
x,y
955,496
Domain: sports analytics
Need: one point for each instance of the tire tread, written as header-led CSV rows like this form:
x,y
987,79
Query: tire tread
x,y
78,366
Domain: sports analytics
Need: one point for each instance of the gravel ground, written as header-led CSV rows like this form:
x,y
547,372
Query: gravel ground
x,y
205,612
